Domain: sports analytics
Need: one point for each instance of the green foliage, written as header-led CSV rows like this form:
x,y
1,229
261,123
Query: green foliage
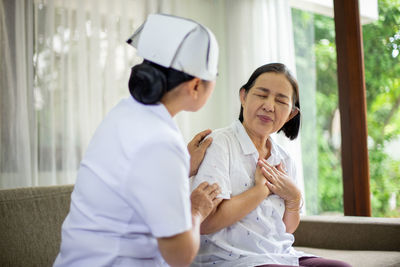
x,y
330,189
382,78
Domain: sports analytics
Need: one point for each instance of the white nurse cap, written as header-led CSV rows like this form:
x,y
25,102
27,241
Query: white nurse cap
x,y
179,43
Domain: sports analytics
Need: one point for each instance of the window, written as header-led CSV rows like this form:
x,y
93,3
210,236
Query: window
x,y
315,39
314,36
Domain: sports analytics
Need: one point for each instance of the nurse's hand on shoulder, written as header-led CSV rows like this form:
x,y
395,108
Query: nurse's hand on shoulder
x,y
204,199
197,148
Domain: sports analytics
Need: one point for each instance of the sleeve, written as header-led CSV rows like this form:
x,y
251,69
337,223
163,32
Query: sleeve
x,y
215,167
158,188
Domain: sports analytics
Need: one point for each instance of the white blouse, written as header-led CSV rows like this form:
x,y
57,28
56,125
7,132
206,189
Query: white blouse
x,y
260,237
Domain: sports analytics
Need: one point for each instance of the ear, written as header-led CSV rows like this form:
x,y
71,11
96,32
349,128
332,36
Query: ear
x,y
193,87
292,114
243,95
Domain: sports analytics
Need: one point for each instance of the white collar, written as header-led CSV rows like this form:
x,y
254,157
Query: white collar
x,y
248,146
160,111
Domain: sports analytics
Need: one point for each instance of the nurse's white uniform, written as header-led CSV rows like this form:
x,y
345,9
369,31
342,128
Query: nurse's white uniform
x,y
132,187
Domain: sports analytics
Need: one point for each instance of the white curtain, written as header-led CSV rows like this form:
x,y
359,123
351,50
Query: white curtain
x,y
73,65
17,154
65,65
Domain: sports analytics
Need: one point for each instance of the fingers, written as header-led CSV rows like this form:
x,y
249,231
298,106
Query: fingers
x,y
200,136
264,164
208,189
211,188
204,145
277,170
279,167
271,187
214,194
266,169
268,175
202,186
267,165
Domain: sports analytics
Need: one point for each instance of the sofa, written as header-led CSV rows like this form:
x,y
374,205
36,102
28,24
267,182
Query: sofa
x,y
31,218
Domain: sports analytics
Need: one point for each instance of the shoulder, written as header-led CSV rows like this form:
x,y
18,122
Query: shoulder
x,y
137,127
223,136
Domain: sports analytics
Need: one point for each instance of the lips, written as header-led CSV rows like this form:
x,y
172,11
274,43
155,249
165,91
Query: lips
x,y
264,118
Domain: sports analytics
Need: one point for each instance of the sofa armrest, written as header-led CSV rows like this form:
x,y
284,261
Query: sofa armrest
x,y
349,233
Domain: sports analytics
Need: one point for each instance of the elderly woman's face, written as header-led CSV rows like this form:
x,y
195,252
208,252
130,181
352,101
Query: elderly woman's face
x,y
268,104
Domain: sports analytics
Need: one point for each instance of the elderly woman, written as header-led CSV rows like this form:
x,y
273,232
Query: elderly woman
x,y
253,225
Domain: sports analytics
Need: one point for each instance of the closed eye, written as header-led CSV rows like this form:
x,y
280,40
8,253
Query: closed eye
x,y
261,96
282,102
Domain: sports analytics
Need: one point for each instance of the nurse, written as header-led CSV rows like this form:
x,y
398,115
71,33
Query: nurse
x,y
131,205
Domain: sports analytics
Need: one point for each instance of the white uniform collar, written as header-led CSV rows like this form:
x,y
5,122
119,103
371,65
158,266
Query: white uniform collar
x,y
161,111
248,146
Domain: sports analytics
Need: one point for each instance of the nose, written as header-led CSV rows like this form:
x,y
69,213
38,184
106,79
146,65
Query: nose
x,y
269,104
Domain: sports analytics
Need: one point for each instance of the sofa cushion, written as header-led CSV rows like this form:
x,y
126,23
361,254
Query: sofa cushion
x,y
349,233
358,258
30,224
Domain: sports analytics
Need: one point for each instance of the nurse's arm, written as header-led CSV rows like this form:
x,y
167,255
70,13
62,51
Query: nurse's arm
x,y
229,211
181,249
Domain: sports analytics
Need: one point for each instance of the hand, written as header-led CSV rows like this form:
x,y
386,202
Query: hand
x,y
260,180
197,150
203,199
280,184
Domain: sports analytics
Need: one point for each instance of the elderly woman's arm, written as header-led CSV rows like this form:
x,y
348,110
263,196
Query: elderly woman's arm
x,y
232,210
291,217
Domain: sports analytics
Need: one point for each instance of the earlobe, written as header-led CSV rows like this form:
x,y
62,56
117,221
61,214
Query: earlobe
x,y
242,94
294,112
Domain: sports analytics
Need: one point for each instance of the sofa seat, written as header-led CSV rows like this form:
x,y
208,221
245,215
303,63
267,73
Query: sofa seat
x,y
359,241
357,258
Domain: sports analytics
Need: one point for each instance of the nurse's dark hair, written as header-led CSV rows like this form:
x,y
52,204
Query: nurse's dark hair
x,y
149,81
292,127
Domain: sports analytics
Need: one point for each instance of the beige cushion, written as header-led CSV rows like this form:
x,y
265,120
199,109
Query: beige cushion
x,y
349,233
358,258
